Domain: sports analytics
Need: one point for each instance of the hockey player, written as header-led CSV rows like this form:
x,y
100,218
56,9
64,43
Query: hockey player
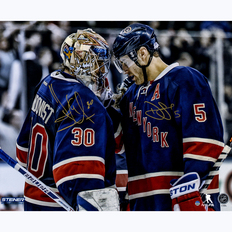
x,y
172,129
67,139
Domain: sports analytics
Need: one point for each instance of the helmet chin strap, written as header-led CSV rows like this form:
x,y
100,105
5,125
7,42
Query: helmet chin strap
x,y
143,67
144,74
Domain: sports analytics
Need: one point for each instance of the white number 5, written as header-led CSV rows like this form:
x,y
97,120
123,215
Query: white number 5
x,y
200,114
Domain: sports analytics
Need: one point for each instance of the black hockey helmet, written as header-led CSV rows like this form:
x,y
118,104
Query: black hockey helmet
x,y
131,39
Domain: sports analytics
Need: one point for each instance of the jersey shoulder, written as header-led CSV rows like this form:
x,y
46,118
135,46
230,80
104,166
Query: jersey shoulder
x,y
182,75
59,89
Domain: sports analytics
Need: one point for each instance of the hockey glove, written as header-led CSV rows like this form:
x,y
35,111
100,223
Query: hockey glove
x,y
185,193
121,89
127,82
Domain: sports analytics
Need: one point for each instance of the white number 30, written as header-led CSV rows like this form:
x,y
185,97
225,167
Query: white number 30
x,y
200,114
86,137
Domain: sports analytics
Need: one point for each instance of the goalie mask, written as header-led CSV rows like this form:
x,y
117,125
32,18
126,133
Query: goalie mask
x,y
86,55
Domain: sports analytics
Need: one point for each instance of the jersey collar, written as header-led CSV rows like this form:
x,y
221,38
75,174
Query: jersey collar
x,y
166,70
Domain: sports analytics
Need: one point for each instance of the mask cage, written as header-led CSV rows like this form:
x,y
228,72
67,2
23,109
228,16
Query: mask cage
x,y
86,54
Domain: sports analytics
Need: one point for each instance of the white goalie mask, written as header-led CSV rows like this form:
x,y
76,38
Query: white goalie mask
x,y
86,55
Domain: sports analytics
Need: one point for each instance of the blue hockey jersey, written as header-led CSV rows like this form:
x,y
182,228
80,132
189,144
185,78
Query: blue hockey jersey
x,y
121,165
67,141
171,127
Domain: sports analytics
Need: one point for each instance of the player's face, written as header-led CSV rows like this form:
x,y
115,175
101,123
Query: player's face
x,y
131,69
137,74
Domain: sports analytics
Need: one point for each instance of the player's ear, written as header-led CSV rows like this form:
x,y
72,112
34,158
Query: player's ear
x,y
142,55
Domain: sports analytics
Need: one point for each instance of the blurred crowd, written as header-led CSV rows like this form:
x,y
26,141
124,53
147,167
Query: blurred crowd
x,y
29,50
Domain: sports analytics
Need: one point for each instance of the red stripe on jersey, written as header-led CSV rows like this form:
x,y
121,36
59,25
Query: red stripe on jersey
x,y
79,167
21,155
215,183
36,194
150,184
118,143
203,149
121,180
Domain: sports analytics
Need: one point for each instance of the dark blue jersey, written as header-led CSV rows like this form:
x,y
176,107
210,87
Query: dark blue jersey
x,y
170,127
67,141
121,166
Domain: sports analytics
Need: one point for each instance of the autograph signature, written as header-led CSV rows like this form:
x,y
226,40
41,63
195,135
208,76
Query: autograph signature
x,y
161,112
89,103
68,113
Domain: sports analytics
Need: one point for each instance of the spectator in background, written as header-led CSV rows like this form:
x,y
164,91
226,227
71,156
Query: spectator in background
x,y
202,52
33,70
9,132
185,59
176,47
215,25
25,75
45,59
182,42
57,36
12,99
7,56
165,39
